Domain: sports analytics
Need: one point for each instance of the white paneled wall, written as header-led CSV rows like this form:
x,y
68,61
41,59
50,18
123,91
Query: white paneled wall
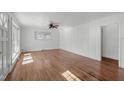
x,y
85,39
75,39
95,42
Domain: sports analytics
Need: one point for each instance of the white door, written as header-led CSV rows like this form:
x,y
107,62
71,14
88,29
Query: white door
x,y
1,58
4,66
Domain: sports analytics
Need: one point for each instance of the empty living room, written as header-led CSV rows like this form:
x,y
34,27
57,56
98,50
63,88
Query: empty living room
x,y
61,46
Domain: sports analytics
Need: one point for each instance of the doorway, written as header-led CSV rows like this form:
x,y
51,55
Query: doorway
x,y
110,43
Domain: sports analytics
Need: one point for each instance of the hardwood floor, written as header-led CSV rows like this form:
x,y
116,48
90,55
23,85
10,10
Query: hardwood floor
x,y
62,65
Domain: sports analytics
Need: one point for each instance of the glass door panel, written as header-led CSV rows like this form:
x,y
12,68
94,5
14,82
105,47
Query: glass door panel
x,y
5,65
1,53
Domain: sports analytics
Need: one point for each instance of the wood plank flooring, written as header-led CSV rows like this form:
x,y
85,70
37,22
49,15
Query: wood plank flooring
x,y
55,65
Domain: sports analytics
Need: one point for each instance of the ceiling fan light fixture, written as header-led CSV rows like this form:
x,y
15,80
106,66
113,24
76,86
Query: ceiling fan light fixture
x,y
53,25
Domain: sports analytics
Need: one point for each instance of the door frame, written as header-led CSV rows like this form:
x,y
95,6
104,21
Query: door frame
x,y
118,42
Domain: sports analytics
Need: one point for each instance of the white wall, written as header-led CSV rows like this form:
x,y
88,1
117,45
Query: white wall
x,y
121,57
85,39
110,41
75,39
29,43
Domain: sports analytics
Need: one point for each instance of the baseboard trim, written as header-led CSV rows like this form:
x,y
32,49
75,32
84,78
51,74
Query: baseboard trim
x,y
110,59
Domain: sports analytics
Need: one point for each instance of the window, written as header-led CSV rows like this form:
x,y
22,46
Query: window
x,y
42,35
3,43
9,43
15,39
4,20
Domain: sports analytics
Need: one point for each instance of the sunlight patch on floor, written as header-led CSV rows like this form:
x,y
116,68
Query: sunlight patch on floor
x,y
27,54
27,59
69,76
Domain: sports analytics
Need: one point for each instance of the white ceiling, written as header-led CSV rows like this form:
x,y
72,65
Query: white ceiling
x,y
39,19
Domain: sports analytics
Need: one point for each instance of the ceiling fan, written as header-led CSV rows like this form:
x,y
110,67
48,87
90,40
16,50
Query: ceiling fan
x,y
53,25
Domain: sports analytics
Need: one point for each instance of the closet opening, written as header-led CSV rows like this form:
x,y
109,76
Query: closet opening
x,y
110,43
